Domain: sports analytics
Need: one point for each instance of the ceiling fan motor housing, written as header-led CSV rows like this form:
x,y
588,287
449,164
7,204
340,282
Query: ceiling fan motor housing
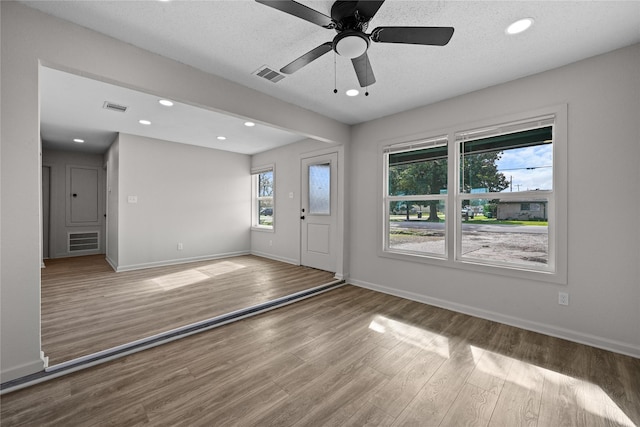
x,y
346,16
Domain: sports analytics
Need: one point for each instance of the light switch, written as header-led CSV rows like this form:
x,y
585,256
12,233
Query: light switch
x,y
291,195
132,199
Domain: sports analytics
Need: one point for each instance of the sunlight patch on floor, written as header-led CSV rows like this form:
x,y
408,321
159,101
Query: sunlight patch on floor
x,y
223,267
577,395
196,275
585,396
414,335
181,279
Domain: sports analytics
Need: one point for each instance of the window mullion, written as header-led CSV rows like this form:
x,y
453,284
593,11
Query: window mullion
x,y
453,208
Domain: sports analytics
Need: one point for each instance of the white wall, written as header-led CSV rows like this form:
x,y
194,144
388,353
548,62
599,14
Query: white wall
x,y
603,97
185,194
58,161
285,238
112,159
30,37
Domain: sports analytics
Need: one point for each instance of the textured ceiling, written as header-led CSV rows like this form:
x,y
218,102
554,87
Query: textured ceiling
x,y
233,39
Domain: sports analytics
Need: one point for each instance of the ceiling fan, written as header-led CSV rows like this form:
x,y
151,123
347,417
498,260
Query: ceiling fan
x,y
350,20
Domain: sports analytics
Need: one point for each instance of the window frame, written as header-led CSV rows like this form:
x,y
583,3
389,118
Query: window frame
x,y
255,198
556,203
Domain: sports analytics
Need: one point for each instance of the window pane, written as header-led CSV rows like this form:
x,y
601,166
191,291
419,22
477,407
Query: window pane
x,y
265,184
507,233
520,161
320,189
418,172
264,199
420,228
265,212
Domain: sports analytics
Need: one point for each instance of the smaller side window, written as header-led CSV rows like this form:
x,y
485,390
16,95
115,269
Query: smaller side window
x,y
263,206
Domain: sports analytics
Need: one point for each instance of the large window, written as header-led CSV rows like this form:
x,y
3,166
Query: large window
x,y
263,206
495,184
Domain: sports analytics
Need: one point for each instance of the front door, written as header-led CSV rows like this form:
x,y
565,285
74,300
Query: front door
x,y
319,212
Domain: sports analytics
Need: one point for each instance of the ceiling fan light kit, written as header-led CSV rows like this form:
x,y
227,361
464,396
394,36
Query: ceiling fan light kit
x,y
351,44
350,20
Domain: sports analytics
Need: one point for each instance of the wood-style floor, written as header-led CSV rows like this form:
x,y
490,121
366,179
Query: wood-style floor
x,y
348,357
87,307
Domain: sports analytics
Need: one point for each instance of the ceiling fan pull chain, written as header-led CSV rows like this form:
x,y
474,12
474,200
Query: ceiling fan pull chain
x,y
366,79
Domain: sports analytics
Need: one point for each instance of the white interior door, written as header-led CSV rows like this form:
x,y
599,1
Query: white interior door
x,y
83,196
319,212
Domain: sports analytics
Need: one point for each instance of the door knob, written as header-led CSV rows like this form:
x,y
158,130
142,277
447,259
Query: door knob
x,y
302,217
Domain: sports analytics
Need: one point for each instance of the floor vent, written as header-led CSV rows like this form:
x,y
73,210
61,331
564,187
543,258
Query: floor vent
x,y
114,107
87,241
269,74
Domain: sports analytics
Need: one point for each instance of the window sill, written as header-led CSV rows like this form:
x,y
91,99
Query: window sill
x,y
479,267
262,229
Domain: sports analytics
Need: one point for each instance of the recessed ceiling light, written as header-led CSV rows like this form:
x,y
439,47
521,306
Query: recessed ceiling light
x,y
352,92
79,141
222,138
249,124
166,102
144,122
519,26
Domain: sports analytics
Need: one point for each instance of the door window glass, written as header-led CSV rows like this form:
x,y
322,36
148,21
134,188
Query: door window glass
x,y
320,189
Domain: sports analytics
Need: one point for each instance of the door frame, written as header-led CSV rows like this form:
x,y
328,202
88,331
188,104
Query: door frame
x,y
341,239
45,235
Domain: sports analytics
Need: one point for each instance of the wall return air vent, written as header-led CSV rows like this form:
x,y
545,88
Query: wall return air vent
x,y
269,74
84,241
114,107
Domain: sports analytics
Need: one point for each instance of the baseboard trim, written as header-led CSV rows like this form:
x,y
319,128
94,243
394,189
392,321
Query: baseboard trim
x,y
23,370
98,358
542,328
132,267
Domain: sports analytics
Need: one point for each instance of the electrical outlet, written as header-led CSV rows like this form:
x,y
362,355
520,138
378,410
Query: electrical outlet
x,y
563,298
180,246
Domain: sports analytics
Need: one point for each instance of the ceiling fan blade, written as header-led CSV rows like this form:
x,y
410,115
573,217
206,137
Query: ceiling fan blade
x,y
363,70
301,11
307,58
368,8
435,36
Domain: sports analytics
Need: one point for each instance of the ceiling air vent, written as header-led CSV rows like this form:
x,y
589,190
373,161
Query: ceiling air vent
x,y
114,107
269,74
